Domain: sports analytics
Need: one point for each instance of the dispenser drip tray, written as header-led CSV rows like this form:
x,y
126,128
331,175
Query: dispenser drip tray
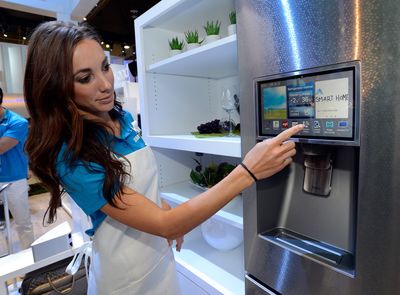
x,y
310,247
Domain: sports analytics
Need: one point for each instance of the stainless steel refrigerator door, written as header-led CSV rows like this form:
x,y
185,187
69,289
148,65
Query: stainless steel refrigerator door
x,y
286,35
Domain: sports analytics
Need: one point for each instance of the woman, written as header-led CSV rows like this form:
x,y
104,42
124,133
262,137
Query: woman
x,y
81,140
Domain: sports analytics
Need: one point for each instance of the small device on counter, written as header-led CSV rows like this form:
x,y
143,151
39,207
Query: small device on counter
x,y
53,242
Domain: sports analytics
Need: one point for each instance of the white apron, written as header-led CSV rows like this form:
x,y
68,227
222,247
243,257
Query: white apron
x,y
127,261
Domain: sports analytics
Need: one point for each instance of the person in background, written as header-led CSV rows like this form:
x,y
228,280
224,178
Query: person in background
x,y
83,143
14,170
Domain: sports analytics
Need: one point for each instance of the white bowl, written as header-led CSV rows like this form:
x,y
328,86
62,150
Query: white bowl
x,y
220,235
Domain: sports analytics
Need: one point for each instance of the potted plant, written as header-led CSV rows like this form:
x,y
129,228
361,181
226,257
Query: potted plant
x,y
175,46
192,39
212,31
216,234
232,26
211,175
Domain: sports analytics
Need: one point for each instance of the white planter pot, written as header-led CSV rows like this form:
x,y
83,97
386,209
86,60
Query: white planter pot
x,y
192,45
212,38
232,29
221,235
173,52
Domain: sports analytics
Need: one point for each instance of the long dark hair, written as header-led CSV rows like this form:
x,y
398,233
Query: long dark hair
x,y
55,118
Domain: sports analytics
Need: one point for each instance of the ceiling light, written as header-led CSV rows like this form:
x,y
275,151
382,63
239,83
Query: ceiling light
x,y
5,35
126,47
107,45
101,42
24,38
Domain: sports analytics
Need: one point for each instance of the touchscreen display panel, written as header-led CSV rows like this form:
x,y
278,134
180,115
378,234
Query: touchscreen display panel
x,y
323,102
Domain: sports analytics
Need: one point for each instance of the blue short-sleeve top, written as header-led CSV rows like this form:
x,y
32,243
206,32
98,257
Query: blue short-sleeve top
x,y
84,182
14,162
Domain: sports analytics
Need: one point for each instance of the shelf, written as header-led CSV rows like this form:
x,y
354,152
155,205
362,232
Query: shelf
x,y
215,60
217,272
173,15
231,214
224,146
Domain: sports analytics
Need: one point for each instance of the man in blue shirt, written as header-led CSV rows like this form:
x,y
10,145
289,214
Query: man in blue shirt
x,y
14,170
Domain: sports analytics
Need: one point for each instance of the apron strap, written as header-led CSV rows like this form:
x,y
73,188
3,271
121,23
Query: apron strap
x,y
84,250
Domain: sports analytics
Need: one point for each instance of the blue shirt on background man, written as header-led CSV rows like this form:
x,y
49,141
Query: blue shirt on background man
x,y
14,162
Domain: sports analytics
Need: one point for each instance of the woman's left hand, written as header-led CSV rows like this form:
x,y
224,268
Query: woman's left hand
x,y
179,241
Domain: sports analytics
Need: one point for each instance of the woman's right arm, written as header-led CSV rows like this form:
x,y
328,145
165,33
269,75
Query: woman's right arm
x,y
264,159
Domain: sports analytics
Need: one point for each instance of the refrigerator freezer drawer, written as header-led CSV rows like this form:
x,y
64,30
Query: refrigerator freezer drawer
x,y
255,288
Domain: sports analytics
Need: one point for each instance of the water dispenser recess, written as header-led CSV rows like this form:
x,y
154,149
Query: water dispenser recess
x,y
310,207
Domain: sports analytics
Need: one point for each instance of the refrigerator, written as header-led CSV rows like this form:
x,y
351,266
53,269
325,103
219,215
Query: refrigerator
x,y
330,222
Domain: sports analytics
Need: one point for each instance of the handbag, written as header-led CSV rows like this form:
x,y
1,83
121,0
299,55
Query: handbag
x,y
53,280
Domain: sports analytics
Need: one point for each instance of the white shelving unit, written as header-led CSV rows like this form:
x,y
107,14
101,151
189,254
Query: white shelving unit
x,y
177,94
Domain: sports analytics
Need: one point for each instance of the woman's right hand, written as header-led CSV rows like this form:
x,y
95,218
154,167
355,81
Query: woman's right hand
x,y
272,155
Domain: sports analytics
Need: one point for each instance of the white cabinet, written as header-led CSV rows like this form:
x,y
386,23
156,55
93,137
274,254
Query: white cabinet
x,y
177,94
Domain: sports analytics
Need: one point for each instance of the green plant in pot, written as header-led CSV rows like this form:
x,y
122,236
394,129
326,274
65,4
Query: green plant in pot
x,y
232,26
212,30
211,175
192,39
175,46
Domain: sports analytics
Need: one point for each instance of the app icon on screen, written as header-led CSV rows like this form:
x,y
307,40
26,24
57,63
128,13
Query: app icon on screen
x,y
329,124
